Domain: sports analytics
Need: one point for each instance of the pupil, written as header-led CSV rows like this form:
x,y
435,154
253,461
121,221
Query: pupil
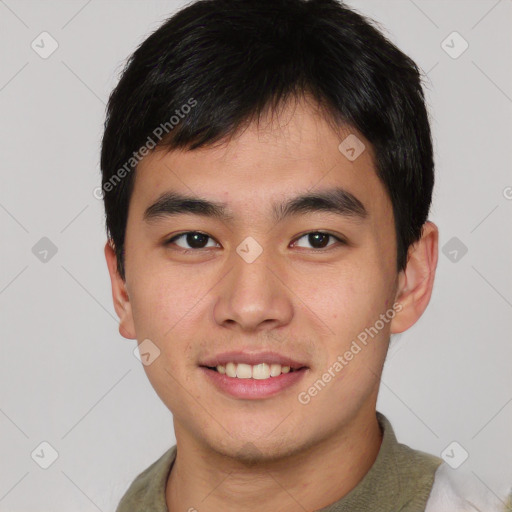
x,y
196,240
314,237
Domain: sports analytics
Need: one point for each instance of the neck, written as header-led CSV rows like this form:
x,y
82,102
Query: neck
x,y
312,478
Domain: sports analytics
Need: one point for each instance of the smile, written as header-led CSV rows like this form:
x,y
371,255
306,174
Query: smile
x,y
259,371
252,382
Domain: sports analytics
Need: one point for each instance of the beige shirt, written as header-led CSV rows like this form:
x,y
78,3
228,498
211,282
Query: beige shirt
x,y
400,479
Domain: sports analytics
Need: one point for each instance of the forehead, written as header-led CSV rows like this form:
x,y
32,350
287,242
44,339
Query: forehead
x,y
282,156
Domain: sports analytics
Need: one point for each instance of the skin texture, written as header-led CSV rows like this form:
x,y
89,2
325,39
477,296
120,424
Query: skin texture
x,y
306,302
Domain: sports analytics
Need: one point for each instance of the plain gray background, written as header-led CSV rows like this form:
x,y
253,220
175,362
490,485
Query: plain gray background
x,y
69,379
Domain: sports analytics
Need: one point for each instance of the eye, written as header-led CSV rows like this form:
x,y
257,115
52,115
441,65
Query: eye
x,y
195,239
319,239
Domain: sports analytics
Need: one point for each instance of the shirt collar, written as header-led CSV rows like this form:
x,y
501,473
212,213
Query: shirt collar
x,y
400,476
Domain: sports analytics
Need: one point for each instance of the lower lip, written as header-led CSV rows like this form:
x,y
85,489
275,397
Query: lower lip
x,y
253,388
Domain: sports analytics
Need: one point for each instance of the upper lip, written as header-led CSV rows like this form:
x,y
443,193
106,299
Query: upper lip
x,y
252,358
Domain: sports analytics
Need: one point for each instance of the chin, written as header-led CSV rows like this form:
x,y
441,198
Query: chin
x,y
258,450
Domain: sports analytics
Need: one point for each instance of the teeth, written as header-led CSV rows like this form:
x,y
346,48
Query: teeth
x,y
231,370
260,371
243,371
275,370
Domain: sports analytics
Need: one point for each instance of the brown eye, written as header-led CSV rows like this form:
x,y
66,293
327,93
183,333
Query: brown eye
x,y
319,239
194,239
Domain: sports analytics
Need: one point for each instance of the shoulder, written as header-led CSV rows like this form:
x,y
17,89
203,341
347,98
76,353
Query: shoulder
x,y
411,467
456,490
148,488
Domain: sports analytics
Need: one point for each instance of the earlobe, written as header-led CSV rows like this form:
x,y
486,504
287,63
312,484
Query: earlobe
x,y
120,296
416,282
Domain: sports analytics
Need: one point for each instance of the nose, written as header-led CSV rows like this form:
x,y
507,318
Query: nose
x,y
254,296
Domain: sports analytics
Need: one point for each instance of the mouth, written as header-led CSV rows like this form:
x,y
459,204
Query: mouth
x,y
252,376
260,371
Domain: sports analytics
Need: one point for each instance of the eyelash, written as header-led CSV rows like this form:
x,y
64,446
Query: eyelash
x,y
185,251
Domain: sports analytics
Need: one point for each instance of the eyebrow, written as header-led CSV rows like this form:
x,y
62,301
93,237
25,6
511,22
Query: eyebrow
x,y
335,200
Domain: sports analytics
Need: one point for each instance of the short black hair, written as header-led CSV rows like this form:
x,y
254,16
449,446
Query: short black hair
x,y
217,65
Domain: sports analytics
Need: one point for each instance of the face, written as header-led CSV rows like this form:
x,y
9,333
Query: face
x,y
262,284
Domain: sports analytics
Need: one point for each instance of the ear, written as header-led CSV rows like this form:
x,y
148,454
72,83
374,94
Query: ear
x,y
120,296
415,283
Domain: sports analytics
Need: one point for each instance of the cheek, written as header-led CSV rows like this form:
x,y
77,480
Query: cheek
x,y
162,298
163,305
344,302
345,297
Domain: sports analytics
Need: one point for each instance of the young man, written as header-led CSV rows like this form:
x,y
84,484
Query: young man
x,y
267,177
